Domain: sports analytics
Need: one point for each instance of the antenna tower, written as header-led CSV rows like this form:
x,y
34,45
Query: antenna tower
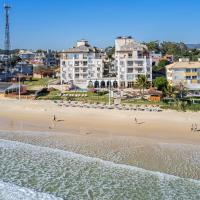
x,y
7,45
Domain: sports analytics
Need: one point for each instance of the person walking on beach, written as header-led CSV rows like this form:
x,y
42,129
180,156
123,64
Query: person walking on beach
x,y
54,118
136,121
192,128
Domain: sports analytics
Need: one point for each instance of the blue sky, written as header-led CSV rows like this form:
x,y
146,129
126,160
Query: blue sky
x,y
57,24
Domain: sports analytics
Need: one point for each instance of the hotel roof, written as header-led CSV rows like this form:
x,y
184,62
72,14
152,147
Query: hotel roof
x,y
183,65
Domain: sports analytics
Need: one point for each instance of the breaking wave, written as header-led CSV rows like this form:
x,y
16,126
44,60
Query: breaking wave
x,y
72,176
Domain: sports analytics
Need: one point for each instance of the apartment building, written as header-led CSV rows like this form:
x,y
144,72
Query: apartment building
x,y
81,65
132,59
184,72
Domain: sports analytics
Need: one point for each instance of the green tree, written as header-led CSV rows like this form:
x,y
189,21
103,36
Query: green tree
x,y
15,59
142,83
163,63
110,51
169,91
160,83
181,90
173,48
153,46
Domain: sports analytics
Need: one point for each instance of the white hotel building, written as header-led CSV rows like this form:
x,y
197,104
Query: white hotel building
x,y
81,65
132,59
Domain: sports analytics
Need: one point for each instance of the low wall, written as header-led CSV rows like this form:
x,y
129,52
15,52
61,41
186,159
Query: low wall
x,y
14,96
59,87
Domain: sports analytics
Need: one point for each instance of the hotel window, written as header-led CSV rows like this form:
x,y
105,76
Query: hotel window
x,y
130,55
140,70
130,63
70,56
194,77
70,76
76,63
76,69
121,76
130,77
148,69
84,70
85,56
70,63
98,69
188,77
84,75
188,70
130,70
85,63
121,63
194,70
140,63
140,55
130,84
76,56
76,75
148,76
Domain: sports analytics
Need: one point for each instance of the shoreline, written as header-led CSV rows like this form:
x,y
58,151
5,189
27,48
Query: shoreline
x,y
163,143
38,116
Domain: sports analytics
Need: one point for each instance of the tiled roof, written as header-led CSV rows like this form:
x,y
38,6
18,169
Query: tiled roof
x,y
183,65
80,49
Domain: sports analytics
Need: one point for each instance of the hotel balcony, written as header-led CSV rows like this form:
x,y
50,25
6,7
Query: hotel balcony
x,y
191,74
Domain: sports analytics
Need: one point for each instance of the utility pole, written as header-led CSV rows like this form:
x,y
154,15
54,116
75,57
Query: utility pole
x,y
19,77
19,88
7,36
109,94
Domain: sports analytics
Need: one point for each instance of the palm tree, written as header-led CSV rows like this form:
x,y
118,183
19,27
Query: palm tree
x,y
169,90
182,91
142,83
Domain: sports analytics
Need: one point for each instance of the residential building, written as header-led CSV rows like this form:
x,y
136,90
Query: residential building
x,y
51,59
81,65
26,55
3,58
23,68
156,57
185,73
38,59
132,59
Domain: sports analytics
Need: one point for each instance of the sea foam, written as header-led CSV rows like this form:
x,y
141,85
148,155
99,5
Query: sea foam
x,y
73,176
12,192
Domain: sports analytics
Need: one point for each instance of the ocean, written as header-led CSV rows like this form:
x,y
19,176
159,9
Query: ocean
x,y
33,172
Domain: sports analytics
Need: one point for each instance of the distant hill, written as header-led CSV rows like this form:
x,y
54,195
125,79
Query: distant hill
x,y
193,46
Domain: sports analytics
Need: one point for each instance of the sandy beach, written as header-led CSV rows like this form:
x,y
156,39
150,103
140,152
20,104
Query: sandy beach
x,y
161,141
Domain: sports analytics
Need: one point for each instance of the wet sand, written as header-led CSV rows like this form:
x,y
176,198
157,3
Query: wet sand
x,y
162,142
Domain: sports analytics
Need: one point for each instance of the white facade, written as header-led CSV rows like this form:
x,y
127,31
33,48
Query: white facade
x,y
132,59
81,64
